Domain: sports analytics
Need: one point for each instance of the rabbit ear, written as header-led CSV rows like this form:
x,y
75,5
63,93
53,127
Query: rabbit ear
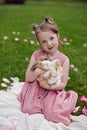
x,y
34,27
56,63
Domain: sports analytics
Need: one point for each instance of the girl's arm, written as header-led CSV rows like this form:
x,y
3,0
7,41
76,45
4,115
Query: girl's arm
x,y
63,83
31,74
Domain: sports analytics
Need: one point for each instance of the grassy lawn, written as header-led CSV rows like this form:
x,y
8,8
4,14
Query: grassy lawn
x,y
15,24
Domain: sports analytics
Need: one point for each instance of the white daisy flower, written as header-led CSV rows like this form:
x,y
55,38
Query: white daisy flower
x,y
16,39
6,80
33,32
4,85
69,78
16,79
5,37
65,39
72,66
76,69
18,33
76,109
31,41
84,45
67,43
25,40
13,33
37,43
26,59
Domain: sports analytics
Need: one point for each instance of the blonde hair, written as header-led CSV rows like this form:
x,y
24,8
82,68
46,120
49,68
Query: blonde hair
x,y
47,25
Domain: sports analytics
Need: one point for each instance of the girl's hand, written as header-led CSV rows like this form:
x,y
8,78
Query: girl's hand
x,y
34,66
43,83
39,71
44,57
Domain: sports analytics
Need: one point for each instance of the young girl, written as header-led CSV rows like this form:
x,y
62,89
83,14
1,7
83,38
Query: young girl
x,y
38,96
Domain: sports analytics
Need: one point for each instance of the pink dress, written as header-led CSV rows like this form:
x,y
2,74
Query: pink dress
x,y
56,106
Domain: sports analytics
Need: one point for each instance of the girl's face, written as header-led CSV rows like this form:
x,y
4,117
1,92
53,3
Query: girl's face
x,y
48,41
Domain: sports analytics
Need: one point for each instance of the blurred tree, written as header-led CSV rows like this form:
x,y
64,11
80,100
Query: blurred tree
x,y
14,1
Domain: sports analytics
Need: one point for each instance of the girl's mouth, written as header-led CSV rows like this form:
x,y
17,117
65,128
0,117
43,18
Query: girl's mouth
x,y
50,48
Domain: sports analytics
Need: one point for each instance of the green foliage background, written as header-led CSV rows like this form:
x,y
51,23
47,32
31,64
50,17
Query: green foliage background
x,y
71,18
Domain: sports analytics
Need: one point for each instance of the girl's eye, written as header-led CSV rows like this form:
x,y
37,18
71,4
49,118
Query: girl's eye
x,y
44,41
51,38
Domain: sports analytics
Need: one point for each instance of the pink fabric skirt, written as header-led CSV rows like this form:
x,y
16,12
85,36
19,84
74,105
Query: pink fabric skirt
x,y
56,106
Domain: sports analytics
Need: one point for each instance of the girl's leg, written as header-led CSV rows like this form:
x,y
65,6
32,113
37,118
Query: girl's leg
x,y
57,107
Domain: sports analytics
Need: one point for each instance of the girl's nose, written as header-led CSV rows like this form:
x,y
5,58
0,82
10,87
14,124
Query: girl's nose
x,y
49,43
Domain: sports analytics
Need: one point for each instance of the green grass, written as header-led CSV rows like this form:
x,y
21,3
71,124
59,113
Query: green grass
x,y
71,18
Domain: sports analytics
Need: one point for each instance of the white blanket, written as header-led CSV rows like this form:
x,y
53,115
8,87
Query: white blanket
x,y
11,118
